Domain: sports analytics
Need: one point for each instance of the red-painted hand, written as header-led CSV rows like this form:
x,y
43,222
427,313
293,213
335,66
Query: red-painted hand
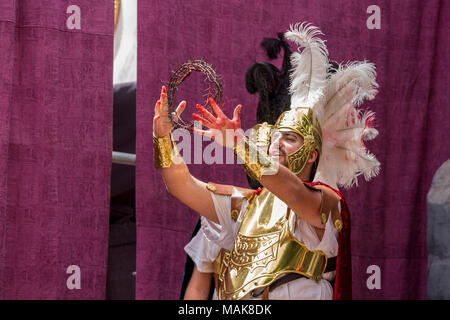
x,y
223,130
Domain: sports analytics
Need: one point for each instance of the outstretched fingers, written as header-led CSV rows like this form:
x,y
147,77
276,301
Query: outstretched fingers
x,y
180,109
164,104
203,121
216,108
176,114
157,109
206,113
237,113
206,133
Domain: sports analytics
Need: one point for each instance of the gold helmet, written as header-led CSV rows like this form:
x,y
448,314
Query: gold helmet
x,y
324,101
324,97
302,122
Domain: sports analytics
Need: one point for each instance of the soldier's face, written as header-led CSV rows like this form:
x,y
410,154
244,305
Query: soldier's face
x,y
284,143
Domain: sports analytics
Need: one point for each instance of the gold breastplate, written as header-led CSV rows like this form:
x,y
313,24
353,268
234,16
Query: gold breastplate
x,y
263,250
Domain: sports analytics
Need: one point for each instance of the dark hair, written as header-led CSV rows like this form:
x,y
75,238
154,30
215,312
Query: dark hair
x,y
314,168
271,84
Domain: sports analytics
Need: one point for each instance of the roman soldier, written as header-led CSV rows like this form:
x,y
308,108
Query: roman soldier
x,y
290,239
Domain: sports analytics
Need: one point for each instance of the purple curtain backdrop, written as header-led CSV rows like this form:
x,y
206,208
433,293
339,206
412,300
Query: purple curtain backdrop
x,y
388,214
55,147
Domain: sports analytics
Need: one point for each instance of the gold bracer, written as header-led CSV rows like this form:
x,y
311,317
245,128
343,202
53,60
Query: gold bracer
x,y
255,160
260,135
263,250
164,149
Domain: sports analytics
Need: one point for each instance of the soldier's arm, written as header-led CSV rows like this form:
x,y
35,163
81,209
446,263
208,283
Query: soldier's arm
x,y
177,178
292,191
199,286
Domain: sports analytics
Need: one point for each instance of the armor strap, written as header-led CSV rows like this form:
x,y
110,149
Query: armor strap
x,y
227,190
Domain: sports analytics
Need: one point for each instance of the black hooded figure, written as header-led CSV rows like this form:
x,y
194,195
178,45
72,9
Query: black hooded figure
x,y
272,86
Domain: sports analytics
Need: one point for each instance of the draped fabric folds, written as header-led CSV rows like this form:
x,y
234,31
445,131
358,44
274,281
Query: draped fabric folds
x,y
56,95
388,215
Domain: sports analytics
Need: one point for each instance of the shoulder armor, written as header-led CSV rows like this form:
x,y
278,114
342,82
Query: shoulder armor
x,y
228,190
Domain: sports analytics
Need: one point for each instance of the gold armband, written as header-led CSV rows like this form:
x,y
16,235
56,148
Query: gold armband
x,y
164,149
256,161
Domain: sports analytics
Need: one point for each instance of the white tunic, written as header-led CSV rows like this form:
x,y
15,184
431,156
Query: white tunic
x,y
205,246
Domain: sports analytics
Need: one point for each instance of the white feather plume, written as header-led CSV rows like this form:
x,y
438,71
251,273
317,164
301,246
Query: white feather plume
x,y
309,67
344,128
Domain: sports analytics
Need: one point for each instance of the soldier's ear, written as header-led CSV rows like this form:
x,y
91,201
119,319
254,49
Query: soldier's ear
x,y
313,156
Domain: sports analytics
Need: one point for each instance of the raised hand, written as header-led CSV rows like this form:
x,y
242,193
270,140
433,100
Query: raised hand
x,y
162,125
223,130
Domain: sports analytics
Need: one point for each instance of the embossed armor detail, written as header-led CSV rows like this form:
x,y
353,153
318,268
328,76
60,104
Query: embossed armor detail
x,y
263,250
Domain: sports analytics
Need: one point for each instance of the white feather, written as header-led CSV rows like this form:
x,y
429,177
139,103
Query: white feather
x,y
344,128
309,67
355,81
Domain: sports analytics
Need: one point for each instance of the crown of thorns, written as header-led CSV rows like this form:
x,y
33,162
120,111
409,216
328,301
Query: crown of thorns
x,y
214,88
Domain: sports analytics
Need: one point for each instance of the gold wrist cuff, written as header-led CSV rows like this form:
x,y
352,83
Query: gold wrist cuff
x,y
256,161
164,149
